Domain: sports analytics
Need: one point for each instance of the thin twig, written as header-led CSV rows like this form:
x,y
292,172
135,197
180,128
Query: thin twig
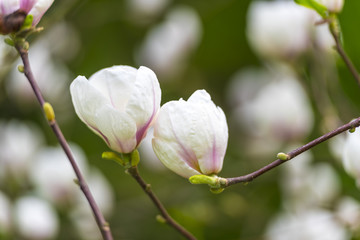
x,y
100,220
342,53
147,189
249,177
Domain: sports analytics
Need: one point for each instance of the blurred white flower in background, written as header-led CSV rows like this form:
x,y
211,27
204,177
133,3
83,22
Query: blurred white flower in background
x,y
271,107
5,215
348,212
35,218
81,214
146,7
279,28
351,153
168,45
309,224
19,142
284,30
53,175
306,184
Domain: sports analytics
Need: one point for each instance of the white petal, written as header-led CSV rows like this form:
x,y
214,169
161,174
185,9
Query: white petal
x,y
168,153
144,102
86,100
116,84
38,10
8,6
118,127
198,128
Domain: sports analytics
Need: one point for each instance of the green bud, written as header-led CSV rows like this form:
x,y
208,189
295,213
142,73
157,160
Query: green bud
x,y
9,41
160,219
283,156
76,181
352,130
216,190
134,158
49,112
21,68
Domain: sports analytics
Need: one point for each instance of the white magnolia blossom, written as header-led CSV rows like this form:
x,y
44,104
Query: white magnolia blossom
x,y
309,224
118,103
36,8
332,5
190,137
168,45
351,153
308,184
279,29
35,218
348,212
19,142
53,176
271,106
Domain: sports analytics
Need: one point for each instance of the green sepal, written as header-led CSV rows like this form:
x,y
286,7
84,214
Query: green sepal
x,y
312,4
114,157
134,158
217,190
9,42
27,22
203,179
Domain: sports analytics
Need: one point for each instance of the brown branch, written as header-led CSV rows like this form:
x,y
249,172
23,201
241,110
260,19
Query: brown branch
x,y
100,220
147,189
249,177
339,48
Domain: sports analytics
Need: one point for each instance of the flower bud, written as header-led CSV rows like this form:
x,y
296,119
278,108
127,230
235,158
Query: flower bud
x,y
13,13
118,103
190,137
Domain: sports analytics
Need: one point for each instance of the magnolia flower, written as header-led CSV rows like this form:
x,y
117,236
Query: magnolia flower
x,y
118,103
332,5
190,137
310,224
13,13
279,29
351,153
35,218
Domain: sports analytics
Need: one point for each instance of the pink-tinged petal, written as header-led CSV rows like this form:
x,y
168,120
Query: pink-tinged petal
x,y
168,153
87,100
27,5
38,10
144,103
196,130
115,83
8,6
118,127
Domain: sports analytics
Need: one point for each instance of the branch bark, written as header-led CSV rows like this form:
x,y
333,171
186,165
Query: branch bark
x,y
251,176
100,220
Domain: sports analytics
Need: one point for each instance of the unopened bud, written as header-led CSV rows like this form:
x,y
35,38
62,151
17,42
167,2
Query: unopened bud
x,y
49,112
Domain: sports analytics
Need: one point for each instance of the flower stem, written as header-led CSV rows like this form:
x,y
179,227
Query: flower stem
x,y
335,32
251,176
100,220
147,189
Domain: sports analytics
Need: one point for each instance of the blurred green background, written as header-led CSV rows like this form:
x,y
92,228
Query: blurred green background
x,y
109,32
